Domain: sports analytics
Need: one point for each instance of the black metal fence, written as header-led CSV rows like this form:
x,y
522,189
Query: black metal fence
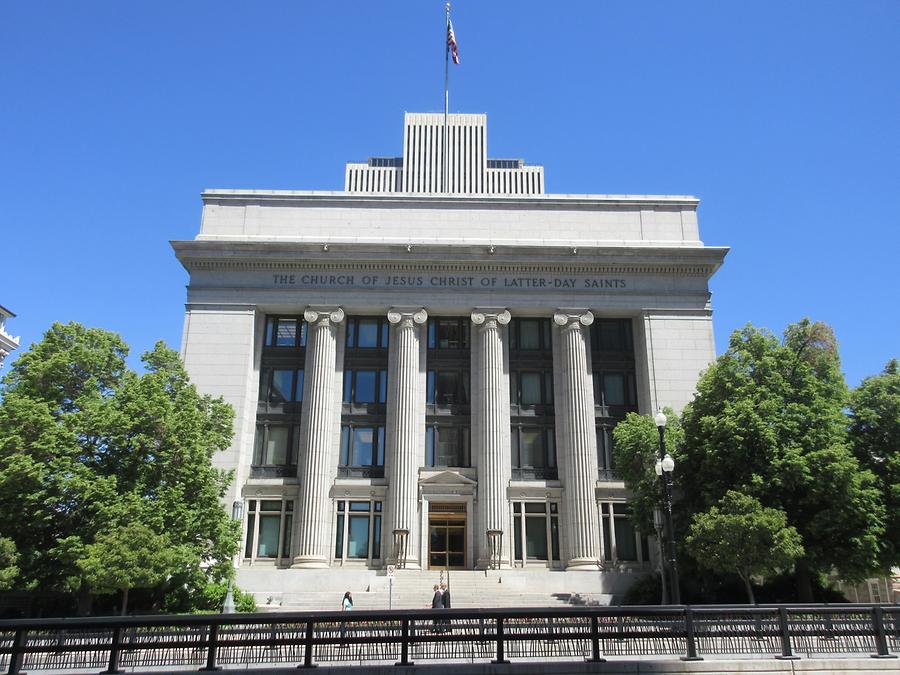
x,y
461,635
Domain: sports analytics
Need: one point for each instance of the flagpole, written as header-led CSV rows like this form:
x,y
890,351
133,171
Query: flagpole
x,y
446,161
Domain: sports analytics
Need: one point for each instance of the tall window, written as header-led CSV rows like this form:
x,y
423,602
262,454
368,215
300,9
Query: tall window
x,y
365,397
357,530
363,385
447,393
367,333
615,392
531,399
280,401
535,531
446,445
362,451
621,540
269,529
533,453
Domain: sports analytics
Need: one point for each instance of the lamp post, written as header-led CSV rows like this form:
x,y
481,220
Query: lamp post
x,y
665,465
237,511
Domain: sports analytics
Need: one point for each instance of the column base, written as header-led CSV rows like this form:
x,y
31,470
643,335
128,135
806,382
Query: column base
x,y
309,562
583,565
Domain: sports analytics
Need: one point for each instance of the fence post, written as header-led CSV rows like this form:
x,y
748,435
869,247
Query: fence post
x,y
595,640
16,655
308,646
404,644
500,646
784,629
689,631
880,636
113,668
212,648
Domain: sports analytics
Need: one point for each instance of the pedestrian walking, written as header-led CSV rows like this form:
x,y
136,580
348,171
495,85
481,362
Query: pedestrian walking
x,y
437,602
445,603
346,606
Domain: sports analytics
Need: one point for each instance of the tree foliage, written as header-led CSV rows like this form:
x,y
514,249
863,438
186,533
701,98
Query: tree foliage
x,y
768,421
875,438
90,450
9,563
635,451
741,536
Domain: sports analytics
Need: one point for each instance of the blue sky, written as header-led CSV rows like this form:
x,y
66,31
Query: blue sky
x,y
783,117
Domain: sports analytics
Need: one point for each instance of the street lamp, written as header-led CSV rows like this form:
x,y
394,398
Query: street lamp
x,y
237,512
665,465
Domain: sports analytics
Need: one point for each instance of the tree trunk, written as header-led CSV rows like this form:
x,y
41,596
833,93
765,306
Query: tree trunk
x,y
747,585
803,577
85,600
124,601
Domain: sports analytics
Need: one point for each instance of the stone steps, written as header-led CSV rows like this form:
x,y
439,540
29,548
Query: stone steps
x,y
318,590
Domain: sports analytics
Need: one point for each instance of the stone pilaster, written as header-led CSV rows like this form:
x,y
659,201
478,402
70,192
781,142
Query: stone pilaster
x,y
404,424
490,436
577,440
316,431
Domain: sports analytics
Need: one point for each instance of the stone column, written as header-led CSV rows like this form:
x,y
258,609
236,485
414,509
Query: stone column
x,y
490,436
316,432
577,444
404,427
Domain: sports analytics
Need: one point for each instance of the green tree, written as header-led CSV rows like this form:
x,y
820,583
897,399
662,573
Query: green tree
x,y
875,438
130,556
635,451
740,536
768,421
87,446
9,563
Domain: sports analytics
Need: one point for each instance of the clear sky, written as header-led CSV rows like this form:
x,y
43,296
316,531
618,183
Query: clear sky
x,y
782,117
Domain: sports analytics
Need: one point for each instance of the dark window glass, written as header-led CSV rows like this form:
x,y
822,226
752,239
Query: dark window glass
x,y
429,446
365,386
536,538
363,446
376,537
272,446
358,537
517,536
614,388
298,392
367,334
530,388
447,387
339,537
286,335
554,536
529,331
282,386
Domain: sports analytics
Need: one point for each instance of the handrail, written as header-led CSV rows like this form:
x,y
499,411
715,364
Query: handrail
x,y
404,637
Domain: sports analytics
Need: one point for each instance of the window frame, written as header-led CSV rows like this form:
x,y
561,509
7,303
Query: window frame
x,y
520,516
347,451
343,513
251,528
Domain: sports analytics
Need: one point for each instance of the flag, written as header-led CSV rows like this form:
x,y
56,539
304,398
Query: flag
x,y
451,41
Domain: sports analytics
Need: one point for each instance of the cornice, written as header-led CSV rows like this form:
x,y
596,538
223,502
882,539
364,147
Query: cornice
x,y
321,197
199,256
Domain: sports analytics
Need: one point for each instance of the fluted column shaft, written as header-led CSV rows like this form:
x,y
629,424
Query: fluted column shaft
x,y
578,447
491,434
316,430
403,432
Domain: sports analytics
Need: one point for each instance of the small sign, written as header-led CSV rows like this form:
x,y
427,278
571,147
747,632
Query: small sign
x,y
390,570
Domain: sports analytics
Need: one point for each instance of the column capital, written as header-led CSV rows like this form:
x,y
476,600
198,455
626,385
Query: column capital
x,y
574,318
490,316
323,315
407,316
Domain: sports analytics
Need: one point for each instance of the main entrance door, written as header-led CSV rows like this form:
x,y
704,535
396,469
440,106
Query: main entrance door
x,y
447,536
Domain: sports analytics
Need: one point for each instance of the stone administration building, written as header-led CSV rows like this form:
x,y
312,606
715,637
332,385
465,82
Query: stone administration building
x,y
426,371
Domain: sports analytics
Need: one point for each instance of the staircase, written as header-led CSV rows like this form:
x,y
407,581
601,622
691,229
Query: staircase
x,y
318,590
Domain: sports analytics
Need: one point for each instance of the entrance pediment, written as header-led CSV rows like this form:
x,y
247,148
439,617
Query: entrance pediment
x,y
448,477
